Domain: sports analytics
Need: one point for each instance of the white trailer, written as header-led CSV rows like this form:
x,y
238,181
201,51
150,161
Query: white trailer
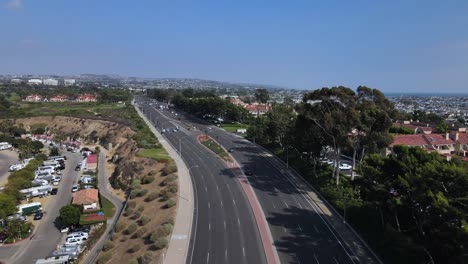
x,y
36,191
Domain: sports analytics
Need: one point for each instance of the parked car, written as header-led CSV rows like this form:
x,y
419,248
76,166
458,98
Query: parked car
x,y
75,188
88,187
77,235
3,237
56,182
74,241
38,215
64,229
83,229
345,166
54,191
78,168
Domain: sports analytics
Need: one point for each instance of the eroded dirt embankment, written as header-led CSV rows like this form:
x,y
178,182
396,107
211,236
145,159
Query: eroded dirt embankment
x,y
116,138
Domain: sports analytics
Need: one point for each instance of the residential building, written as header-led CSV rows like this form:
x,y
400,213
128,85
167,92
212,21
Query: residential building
x,y
34,98
59,98
442,144
461,143
35,81
87,98
52,82
91,162
69,82
89,198
258,109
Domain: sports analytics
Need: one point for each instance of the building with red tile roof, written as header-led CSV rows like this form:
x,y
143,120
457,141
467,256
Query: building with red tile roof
x,y
89,198
91,162
87,98
34,98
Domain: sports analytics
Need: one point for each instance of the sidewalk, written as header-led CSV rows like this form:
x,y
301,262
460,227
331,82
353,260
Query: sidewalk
x,y
180,239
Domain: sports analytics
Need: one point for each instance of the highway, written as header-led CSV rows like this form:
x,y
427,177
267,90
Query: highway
x,y
302,233
224,229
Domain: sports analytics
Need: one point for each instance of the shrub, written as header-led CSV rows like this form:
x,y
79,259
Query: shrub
x,y
143,192
168,180
146,258
133,261
152,173
134,248
141,208
169,168
166,194
162,231
104,258
131,204
134,193
152,196
128,211
160,243
171,221
136,215
107,245
172,188
140,232
131,228
170,203
136,184
147,179
144,220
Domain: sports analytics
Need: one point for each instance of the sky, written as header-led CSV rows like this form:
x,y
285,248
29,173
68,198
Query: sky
x,y
395,46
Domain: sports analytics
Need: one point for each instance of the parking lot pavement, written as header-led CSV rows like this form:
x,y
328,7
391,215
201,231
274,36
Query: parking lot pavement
x,y
7,158
46,236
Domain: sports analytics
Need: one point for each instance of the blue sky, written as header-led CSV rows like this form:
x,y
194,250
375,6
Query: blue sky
x,y
396,46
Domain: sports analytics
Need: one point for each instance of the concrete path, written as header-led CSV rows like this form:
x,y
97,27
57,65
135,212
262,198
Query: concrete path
x,y
91,256
180,239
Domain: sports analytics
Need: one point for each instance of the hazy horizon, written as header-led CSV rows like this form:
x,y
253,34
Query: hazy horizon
x,y
398,46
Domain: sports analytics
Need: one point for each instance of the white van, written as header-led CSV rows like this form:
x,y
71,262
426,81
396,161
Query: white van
x,y
5,145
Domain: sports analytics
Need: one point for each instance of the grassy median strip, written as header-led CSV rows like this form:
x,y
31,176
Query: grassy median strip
x,y
216,148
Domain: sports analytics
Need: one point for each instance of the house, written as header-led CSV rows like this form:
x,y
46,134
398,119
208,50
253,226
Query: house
x,y
34,98
89,198
461,144
59,98
443,144
87,98
257,109
91,162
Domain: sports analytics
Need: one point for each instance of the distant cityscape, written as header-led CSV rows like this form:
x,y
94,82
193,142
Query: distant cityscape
x,y
451,107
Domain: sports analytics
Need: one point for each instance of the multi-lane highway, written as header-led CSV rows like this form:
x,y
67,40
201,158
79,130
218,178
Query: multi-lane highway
x,y
224,229
302,230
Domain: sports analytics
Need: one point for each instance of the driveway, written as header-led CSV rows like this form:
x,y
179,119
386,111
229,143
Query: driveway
x,y
46,236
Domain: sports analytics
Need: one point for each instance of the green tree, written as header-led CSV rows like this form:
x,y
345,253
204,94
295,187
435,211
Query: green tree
x,y
70,215
262,95
442,127
7,205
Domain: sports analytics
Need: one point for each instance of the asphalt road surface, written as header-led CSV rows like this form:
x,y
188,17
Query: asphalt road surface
x,y
301,232
47,235
7,158
224,228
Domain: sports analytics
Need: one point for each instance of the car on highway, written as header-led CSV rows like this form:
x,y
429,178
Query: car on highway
x,y
231,150
75,188
38,215
345,166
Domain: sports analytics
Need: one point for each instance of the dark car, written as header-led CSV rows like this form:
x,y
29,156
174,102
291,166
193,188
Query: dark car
x,y
3,237
248,172
38,215
84,229
77,168
231,150
54,191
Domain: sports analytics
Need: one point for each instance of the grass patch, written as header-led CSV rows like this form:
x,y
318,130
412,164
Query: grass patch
x,y
158,154
233,127
107,206
216,148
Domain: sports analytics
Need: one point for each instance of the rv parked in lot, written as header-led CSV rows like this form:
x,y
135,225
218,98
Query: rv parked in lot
x,y
5,145
60,259
30,208
36,191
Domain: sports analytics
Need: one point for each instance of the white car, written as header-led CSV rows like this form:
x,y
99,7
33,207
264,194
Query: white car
x,y
75,188
56,182
74,242
75,235
345,166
